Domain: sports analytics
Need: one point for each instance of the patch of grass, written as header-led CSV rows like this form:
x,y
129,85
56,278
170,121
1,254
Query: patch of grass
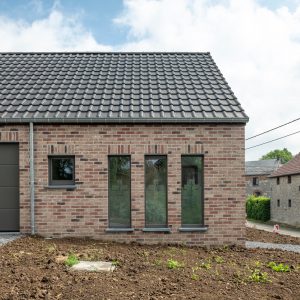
x,y
174,264
71,260
279,267
258,276
257,264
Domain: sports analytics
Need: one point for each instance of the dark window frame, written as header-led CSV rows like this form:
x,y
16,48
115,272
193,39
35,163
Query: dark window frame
x,y
290,203
130,193
52,182
148,226
202,192
278,180
289,179
255,181
278,202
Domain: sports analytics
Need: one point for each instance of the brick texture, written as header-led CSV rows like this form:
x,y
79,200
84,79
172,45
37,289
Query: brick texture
x,y
83,212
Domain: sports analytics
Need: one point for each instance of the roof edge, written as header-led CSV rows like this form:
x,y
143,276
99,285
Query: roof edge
x,y
285,174
122,121
106,52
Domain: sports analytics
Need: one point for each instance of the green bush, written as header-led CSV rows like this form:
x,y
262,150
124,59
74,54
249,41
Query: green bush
x,y
258,208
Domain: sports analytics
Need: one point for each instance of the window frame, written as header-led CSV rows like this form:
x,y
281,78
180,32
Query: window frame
x,y
289,203
278,180
289,179
157,227
278,202
255,181
59,183
183,226
108,193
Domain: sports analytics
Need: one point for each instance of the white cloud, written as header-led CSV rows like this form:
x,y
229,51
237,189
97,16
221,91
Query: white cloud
x,y
257,49
56,32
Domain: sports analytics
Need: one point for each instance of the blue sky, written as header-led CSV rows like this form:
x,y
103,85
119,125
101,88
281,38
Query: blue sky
x,y
96,15
255,43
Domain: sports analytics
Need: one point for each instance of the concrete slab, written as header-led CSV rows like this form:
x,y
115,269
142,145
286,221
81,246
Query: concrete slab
x,y
94,266
6,237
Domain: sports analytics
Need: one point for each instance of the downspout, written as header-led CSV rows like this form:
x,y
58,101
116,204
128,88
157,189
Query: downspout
x,y
31,159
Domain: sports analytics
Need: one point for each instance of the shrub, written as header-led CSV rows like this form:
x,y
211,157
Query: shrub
x,y
258,208
174,264
278,267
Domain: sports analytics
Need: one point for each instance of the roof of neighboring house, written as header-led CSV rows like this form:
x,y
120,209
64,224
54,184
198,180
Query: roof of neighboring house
x,y
262,167
290,168
115,87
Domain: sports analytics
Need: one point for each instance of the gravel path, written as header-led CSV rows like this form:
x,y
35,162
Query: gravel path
x,y
286,247
8,237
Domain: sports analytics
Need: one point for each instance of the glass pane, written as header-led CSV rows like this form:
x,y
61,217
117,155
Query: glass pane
x,y
191,192
119,191
156,191
62,169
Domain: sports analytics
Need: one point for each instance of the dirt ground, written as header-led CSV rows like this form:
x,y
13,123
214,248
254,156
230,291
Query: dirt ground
x,y
270,237
30,269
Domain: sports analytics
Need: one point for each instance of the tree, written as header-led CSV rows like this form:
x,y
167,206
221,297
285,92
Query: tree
x,y
284,155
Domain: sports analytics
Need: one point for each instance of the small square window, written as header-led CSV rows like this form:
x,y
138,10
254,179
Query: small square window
x,y
61,170
278,180
289,179
290,203
254,181
278,202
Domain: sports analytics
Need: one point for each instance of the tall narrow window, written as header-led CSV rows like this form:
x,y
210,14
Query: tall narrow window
x,y
290,203
254,181
278,180
156,191
278,202
192,191
119,192
289,179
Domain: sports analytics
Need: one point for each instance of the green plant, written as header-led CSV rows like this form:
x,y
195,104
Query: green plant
x,y
258,208
279,267
71,260
174,264
219,259
206,265
257,264
258,276
115,262
195,276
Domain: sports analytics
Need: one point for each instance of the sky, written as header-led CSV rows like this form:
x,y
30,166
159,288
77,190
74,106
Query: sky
x,y
255,43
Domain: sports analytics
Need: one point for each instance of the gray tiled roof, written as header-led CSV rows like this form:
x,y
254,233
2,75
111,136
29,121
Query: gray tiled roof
x,y
115,87
262,167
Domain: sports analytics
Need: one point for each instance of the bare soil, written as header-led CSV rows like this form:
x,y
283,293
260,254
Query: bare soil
x,y
30,268
270,237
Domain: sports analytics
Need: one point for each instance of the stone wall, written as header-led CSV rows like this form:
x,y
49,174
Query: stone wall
x,y
283,192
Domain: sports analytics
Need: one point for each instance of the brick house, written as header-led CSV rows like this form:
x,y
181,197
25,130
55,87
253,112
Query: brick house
x,y
285,184
145,147
257,173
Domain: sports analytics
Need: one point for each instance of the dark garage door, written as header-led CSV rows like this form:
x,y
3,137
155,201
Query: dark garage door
x,y
9,187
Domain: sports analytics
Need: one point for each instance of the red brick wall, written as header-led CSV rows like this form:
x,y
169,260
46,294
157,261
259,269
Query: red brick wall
x,y
83,212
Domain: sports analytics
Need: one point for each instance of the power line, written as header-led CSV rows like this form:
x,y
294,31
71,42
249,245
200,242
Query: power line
x,y
252,137
273,140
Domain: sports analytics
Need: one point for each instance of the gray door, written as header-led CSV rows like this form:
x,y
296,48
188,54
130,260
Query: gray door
x,y
9,187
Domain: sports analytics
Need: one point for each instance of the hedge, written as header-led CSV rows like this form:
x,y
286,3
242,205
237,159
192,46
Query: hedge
x,y
258,208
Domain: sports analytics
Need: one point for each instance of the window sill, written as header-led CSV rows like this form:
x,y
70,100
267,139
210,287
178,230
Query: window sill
x,y
168,230
119,230
61,187
193,229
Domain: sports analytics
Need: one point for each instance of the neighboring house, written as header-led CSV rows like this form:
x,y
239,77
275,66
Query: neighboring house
x,y
257,173
145,147
285,203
